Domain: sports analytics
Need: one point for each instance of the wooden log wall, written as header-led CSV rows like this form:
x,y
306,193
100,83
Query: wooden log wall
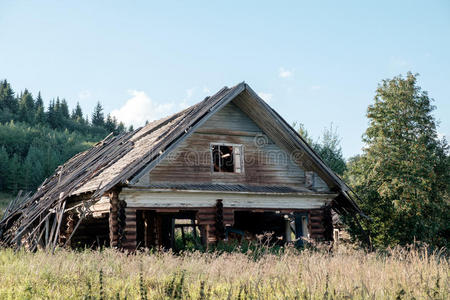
x,y
129,242
319,224
206,219
113,219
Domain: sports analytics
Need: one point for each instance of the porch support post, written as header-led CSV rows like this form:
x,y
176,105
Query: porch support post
x,y
113,219
130,229
219,224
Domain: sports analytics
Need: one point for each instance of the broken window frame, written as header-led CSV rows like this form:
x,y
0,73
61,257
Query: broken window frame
x,y
238,161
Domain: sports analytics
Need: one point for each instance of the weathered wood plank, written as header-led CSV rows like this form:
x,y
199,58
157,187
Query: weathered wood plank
x,y
147,198
264,161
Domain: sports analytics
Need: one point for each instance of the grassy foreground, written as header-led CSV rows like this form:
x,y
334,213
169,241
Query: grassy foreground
x,y
344,274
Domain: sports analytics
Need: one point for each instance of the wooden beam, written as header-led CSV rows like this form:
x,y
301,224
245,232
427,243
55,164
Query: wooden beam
x,y
113,219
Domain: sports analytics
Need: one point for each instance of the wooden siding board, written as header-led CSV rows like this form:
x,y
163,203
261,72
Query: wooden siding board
x,y
263,164
169,199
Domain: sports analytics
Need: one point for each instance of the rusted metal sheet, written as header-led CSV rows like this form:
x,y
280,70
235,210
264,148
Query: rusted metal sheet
x,y
227,188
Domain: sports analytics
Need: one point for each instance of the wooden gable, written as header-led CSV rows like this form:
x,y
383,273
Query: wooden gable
x,y
264,161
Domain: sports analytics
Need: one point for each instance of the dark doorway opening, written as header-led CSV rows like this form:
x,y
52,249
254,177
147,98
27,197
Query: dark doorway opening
x,y
250,225
169,230
93,232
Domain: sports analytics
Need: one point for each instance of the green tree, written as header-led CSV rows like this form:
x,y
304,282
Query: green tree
x,y
77,113
403,175
32,169
39,101
8,103
26,107
14,175
64,109
121,127
327,147
110,124
301,129
98,118
4,163
40,116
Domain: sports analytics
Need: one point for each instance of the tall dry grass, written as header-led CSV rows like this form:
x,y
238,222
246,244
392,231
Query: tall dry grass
x,y
343,274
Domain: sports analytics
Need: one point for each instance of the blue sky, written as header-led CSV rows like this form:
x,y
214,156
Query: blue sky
x,y
315,63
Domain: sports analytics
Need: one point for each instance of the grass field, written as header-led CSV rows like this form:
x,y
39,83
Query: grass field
x,y
108,274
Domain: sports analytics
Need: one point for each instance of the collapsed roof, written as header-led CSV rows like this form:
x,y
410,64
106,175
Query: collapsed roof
x,y
123,159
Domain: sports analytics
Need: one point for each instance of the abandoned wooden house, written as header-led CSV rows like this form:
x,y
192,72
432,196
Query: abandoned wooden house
x,y
226,168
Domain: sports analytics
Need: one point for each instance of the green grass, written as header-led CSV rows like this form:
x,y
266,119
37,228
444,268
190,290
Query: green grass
x,y
310,274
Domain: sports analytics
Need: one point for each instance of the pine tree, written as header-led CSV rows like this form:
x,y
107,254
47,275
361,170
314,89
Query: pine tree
x,y
403,176
4,162
40,117
121,127
58,117
303,132
39,102
77,113
14,175
32,169
98,118
26,107
330,151
111,124
65,109
51,114
327,147
8,103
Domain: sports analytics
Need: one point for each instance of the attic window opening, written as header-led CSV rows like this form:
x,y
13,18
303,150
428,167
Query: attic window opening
x,y
226,158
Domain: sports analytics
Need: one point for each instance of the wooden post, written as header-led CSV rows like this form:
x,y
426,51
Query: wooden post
x,y
206,218
113,219
219,225
287,224
130,229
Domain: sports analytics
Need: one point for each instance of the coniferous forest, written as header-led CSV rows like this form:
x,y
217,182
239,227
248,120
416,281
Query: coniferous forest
x,y
35,139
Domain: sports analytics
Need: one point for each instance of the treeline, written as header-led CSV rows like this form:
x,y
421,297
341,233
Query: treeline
x,y
34,140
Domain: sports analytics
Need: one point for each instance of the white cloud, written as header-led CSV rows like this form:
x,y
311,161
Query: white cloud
x,y
206,90
266,96
316,87
84,94
190,92
398,62
140,108
284,73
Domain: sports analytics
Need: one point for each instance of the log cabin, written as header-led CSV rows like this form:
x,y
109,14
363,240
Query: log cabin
x,y
228,167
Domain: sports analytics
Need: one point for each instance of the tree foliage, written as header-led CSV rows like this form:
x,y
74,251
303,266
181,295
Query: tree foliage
x,y
34,141
328,147
403,175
